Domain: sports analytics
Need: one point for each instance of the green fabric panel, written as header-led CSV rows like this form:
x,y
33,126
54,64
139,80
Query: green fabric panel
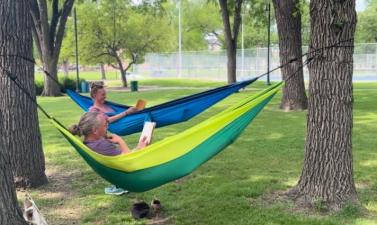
x,y
153,177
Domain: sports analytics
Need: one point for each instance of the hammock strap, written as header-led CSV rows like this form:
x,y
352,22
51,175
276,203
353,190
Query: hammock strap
x,y
13,78
148,117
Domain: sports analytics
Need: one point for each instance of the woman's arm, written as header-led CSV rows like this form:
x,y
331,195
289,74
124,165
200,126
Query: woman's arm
x,y
122,114
122,144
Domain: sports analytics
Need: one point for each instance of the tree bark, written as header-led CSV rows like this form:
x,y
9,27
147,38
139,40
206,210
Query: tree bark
x,y
103,72
10,213
50,87
20,133
48,37
231,36
231,51
288,19
121,70
327,175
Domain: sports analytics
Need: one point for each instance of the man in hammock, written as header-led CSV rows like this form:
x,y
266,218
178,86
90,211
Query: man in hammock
x,y
98,94
93,126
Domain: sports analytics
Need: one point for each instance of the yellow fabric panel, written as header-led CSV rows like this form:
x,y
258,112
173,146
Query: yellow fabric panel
x,y
172,147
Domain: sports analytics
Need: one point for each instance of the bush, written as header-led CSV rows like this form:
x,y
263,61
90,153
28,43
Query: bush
x,y
65,83
38,87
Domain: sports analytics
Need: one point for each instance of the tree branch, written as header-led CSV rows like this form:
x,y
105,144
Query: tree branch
x,y
225,16
106,53
36,40
34,11
54,19
43,33
237,19
67,8
134,57
114,66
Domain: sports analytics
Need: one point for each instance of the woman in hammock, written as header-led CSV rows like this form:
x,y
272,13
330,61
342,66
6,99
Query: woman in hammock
x,y
93,126
98,94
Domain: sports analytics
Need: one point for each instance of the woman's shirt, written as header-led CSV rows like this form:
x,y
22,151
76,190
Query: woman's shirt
x,y
104,147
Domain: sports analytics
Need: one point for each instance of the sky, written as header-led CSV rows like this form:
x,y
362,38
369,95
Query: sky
x,y
360,5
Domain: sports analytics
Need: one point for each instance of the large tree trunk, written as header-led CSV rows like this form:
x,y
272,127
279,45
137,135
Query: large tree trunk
x,y
327,175
50,86
20,132
231,36
288,20
232,62
10,213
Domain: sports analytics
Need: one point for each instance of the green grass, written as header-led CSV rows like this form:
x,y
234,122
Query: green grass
x,y
111,75
232,188
192,83
365,85
113,80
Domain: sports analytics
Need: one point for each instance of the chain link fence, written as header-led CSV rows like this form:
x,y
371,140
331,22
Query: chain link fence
x,y
212,65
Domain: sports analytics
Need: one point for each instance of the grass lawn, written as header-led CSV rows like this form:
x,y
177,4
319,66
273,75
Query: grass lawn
x,y
236,187
87,75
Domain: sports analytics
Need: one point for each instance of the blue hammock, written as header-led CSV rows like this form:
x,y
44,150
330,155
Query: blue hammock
x,y
168,113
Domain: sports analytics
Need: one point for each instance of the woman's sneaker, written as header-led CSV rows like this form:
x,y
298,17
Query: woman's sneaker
x,y
113,190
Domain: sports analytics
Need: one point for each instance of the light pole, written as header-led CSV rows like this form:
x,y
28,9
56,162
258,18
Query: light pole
x,y
268,8
179,41
76,50
242,42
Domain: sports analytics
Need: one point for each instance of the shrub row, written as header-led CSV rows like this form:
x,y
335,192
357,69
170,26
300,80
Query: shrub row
x,y
65,83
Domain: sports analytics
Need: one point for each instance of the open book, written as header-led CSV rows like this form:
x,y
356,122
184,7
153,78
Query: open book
x,y
147,132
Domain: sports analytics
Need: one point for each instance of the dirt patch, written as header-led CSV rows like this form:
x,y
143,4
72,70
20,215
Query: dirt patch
x,y
283,200
160,221
54,200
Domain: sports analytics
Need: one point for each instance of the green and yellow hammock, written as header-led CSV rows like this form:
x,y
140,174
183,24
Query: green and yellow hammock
x,y
175,156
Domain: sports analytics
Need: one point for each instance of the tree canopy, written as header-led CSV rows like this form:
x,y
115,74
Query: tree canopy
x,y
366,30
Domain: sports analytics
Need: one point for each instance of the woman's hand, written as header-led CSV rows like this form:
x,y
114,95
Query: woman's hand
x,y
131,110
114,138
142,143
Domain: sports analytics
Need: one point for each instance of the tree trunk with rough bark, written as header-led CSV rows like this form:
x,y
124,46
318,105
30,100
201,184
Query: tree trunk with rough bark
x,y
50,87
232,62
231,36
327,175
288,19
10,212
20,133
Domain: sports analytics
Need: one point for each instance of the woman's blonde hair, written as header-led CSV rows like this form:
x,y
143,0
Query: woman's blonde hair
x,y
94,87
87,122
